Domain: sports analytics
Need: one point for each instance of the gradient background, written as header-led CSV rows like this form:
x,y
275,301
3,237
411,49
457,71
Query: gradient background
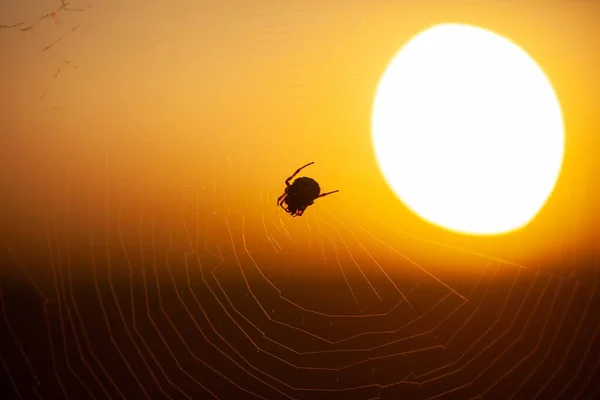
x,y
142,156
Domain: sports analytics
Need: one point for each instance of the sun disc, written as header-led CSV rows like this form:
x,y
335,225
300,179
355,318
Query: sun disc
x,y
467,130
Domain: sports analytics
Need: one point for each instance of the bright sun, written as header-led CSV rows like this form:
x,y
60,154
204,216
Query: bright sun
x,y
467,130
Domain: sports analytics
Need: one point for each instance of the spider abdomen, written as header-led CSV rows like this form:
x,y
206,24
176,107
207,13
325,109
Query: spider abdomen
x,y
306,187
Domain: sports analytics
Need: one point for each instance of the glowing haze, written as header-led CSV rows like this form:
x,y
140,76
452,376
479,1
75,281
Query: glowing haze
x,y
145,142
158,97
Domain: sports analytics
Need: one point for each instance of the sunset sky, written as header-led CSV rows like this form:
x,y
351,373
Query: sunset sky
x,y
170,126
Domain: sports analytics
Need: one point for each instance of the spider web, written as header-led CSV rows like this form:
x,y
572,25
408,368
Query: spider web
x,y
206,289
215,296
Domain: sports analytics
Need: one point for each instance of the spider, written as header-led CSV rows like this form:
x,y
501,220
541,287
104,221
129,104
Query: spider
x,y
300,194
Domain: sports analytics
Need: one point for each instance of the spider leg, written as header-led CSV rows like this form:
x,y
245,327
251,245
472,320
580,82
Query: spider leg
x,y
328,193
286,209
280,199
287,181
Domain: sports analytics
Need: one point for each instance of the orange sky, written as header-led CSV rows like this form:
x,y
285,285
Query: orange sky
x,y
234,95
141,250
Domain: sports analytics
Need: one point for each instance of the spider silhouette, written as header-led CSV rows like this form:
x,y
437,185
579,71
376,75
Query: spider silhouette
x,y
300,194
